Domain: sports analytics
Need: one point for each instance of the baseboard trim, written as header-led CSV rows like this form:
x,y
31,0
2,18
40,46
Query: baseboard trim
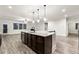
x,y
10,33
72,34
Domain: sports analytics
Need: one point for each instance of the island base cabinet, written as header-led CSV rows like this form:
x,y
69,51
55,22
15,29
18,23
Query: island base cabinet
x,y
44,45
29,40
39,44
33,42
48,45
24,37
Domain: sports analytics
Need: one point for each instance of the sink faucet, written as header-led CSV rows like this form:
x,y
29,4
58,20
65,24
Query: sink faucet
x,y
33,29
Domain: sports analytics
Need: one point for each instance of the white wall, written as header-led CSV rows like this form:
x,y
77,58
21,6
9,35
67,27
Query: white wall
x,y
38,26
51,26
10,26
71,23
59,26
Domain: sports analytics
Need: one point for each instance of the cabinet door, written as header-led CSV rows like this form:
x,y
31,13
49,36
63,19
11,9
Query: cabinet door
x,y
40,45
29,40
48,44
25,38
34,42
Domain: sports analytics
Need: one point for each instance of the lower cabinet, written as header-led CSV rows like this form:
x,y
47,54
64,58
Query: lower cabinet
x,y
44,44
33,42
39,44
29,43
48,44
24,37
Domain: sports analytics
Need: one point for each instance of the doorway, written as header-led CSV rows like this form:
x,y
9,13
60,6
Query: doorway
x,y
73,25
5,29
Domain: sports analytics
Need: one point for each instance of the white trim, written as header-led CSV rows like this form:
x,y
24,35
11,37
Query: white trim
x,y
9,33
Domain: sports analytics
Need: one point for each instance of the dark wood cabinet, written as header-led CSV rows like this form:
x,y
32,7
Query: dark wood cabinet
x,y
39,44
44,44
24,37
48,44
29,40
33,42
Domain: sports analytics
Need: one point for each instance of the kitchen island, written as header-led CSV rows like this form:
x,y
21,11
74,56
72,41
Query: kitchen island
x,y
40,41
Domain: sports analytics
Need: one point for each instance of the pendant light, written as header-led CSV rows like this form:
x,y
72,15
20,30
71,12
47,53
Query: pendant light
x,y
45,14
33,17
38,16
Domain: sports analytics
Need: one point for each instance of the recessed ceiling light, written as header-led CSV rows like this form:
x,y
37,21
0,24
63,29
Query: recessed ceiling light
x,y
63,10
10,7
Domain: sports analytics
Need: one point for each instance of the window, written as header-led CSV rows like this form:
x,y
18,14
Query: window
x,y
24,26
20,26
76,26
15,26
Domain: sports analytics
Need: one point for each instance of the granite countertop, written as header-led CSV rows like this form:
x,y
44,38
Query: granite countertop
x,y
40,33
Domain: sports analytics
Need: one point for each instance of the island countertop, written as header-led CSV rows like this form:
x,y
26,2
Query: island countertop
x,y
40,33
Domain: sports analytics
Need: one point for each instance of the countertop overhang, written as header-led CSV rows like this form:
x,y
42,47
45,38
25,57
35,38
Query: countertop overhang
x,y
40,33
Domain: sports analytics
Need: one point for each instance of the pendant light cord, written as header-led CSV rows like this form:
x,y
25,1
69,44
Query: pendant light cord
x,y
45,11
38,13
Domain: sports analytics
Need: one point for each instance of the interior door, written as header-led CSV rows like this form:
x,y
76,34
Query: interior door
x,y
5,28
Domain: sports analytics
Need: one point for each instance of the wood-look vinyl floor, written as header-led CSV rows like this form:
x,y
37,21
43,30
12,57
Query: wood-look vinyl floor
x,y
66,45
11,44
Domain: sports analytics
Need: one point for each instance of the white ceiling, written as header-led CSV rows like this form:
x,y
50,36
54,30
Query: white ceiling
x,y
53,12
